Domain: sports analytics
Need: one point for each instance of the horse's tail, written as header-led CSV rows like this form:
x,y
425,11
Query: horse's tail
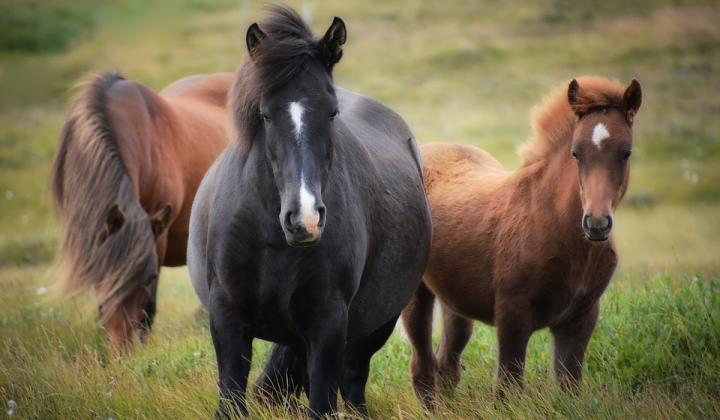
x,y
107,241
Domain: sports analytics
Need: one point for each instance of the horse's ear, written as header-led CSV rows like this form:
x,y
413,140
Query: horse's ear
x,y
572,94
332,42
114,220
632,98
253,38
160,220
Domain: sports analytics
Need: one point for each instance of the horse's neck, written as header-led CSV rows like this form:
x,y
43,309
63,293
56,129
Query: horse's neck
x,y
146,160
554,191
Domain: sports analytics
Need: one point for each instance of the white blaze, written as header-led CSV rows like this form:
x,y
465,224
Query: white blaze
x,y
296,115
308,215
599,134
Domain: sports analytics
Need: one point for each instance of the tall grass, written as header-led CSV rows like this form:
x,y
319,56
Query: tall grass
x,y
655,353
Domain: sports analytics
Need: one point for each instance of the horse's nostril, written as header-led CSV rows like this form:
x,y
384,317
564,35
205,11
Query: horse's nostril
x,y
597,226
321,214
289,222
608,223
599,223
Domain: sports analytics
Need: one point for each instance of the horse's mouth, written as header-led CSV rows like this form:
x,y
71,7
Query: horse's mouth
x,y
597,237
304,243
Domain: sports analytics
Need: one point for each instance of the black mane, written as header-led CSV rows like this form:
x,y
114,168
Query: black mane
x,y
289,49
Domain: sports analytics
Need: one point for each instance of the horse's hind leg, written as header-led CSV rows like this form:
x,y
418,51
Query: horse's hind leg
x,y
417,320
457,331
357,366
285,375
571,340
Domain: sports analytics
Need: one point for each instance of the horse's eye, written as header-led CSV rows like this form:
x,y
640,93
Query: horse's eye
x,y
264,117
334,114
626,155
575,155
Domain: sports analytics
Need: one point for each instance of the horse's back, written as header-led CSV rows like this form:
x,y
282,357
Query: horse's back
x,y
210,88
444,161
135,107
372,122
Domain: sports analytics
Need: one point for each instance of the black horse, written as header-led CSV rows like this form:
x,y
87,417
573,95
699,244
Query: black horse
x,y
329,164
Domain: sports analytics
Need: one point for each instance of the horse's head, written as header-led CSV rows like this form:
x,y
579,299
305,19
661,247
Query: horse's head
x,y
296,121
137,245
602,145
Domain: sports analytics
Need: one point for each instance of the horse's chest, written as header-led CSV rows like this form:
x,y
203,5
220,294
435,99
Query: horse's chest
x,y
274,288
568,288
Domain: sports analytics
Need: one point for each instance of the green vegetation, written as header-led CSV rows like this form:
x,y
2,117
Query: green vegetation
x,y
656,354
461,71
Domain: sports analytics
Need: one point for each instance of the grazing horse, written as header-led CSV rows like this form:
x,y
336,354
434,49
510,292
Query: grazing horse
x,y
528,249
312,230
124,177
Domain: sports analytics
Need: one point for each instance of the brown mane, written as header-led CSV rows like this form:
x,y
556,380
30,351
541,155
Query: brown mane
x,y
88,167
553,121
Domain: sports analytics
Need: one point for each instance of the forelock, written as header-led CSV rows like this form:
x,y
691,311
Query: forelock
x,y
289,49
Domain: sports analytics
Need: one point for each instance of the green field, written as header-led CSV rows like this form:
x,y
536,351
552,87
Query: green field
x,y
459,71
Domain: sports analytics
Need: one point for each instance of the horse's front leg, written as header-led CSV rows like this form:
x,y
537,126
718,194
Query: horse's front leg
x,y
325,357
571,339
233,350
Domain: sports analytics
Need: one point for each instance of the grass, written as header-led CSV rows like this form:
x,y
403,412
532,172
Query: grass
x,y
656,353
461,71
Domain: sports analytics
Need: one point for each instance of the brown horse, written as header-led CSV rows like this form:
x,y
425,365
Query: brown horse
x,y
528,249
123,181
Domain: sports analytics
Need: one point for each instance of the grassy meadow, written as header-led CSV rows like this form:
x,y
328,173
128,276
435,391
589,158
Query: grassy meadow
x,y
459,71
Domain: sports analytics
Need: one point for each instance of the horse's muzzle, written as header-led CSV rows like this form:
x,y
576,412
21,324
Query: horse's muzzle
x,y
304,230
597,228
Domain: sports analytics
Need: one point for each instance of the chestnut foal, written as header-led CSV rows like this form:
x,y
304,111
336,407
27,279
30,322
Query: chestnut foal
x,y
528,249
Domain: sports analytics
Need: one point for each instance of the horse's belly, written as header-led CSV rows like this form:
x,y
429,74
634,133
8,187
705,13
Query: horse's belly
x,y
263,305
468,296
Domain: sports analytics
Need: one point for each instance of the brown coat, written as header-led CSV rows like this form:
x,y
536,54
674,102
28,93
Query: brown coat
x,y
513,249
